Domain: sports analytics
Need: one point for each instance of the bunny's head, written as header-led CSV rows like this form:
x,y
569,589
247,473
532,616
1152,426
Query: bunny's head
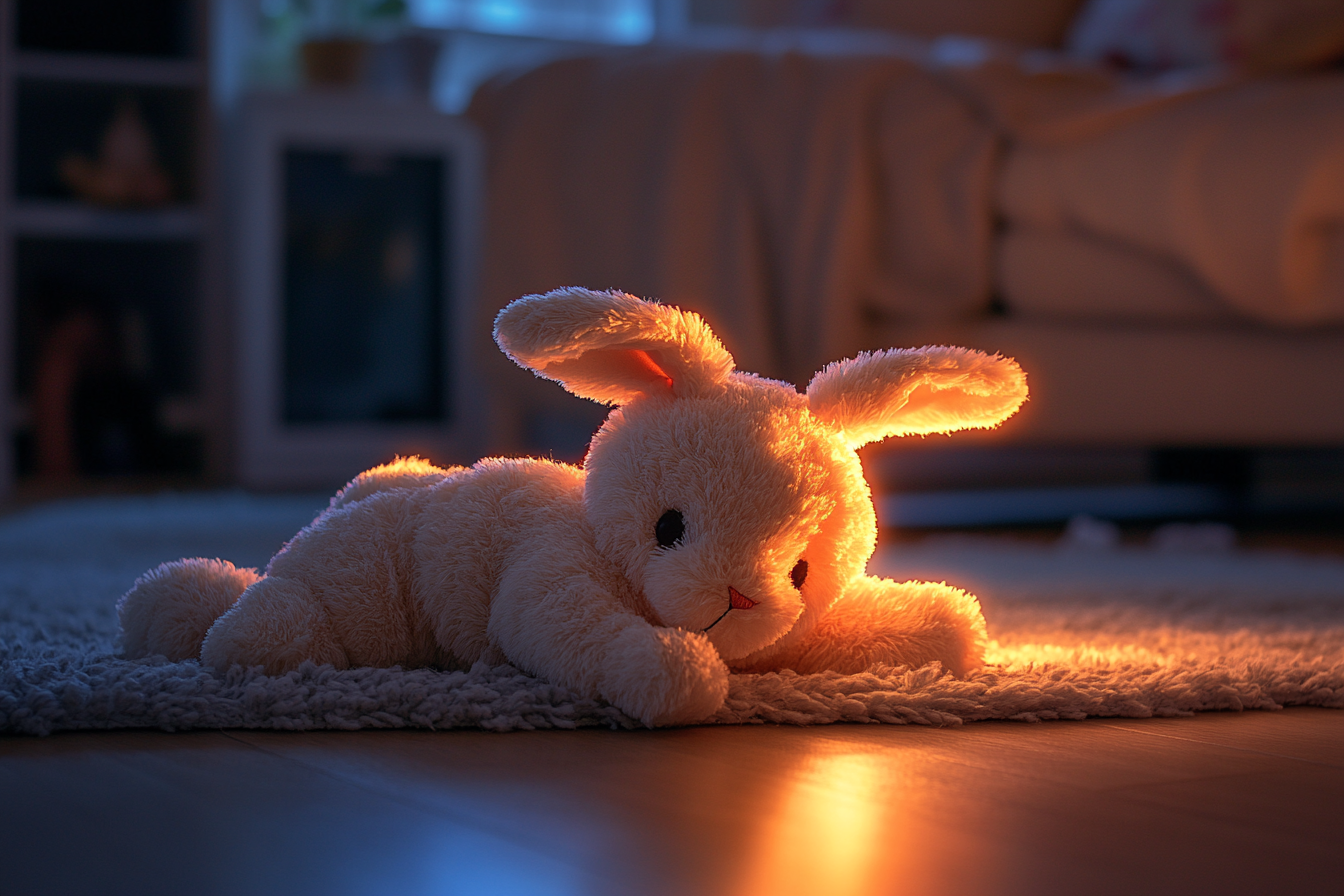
x,y
735,503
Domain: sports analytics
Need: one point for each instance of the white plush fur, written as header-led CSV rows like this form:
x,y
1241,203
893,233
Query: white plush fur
x,y
171,608
900,392
558,570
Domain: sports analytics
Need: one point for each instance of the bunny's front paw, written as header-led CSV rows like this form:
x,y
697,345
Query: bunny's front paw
x,y
664,676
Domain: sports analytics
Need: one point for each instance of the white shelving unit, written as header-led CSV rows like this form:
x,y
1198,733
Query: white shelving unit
x,y
189,379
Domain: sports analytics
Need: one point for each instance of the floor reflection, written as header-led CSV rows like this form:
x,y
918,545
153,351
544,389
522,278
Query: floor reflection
x,y
828,833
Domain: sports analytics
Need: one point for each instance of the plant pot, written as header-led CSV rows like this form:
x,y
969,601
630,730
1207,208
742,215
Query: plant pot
x,y
334,61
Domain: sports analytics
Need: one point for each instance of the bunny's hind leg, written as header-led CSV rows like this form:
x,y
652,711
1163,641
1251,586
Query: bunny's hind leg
x,y
169,609
879,621
278,624
336,594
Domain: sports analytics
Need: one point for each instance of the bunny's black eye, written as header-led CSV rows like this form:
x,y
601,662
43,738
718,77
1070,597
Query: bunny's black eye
x,y
669,529
799,574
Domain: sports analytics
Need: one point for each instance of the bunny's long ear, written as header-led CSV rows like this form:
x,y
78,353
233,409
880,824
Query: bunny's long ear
x,y
920,390
612,347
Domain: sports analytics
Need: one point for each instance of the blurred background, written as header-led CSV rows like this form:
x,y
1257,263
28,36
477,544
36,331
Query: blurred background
x,y
260,243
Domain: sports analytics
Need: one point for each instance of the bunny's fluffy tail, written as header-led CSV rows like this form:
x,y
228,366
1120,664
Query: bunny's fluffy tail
x,y
169,609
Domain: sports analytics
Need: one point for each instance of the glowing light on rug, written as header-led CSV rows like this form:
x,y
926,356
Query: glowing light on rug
x,y
1017,655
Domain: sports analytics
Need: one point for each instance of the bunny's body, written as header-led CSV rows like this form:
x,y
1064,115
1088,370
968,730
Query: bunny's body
x,y
721,520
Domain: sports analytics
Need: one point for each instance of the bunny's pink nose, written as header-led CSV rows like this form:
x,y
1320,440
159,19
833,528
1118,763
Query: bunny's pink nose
x,y
738,600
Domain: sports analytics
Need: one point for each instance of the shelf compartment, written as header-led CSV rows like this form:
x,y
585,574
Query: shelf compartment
x,y
106,340
154,281
147,28
57,118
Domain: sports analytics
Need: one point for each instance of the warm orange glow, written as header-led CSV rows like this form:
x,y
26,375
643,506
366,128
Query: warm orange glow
x,y
409,465
827,834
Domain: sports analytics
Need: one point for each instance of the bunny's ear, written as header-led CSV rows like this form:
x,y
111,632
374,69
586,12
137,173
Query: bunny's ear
x,y
612,347
920,390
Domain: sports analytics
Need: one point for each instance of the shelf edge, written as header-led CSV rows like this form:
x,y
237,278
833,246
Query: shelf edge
x,y
75,220
145,72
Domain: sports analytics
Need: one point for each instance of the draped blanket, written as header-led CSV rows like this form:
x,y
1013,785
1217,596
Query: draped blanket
x,y
795,197
783,196
1242,185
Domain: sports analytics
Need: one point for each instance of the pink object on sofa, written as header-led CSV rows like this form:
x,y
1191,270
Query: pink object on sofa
x,y
1262,35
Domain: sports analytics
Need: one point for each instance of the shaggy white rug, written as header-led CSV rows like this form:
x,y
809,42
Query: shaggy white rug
x,y
1080,629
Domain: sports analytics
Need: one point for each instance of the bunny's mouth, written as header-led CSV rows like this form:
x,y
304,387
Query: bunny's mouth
x,y
736,601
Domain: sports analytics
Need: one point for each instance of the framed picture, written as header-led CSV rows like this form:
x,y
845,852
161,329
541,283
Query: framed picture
x,y
354,237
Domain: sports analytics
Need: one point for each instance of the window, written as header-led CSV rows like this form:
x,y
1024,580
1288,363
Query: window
x,y
603,21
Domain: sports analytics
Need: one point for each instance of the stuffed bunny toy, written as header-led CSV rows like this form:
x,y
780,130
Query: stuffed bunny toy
x,y
721,521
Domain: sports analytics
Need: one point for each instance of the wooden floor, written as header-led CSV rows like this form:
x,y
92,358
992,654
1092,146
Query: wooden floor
x,y
1219,803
